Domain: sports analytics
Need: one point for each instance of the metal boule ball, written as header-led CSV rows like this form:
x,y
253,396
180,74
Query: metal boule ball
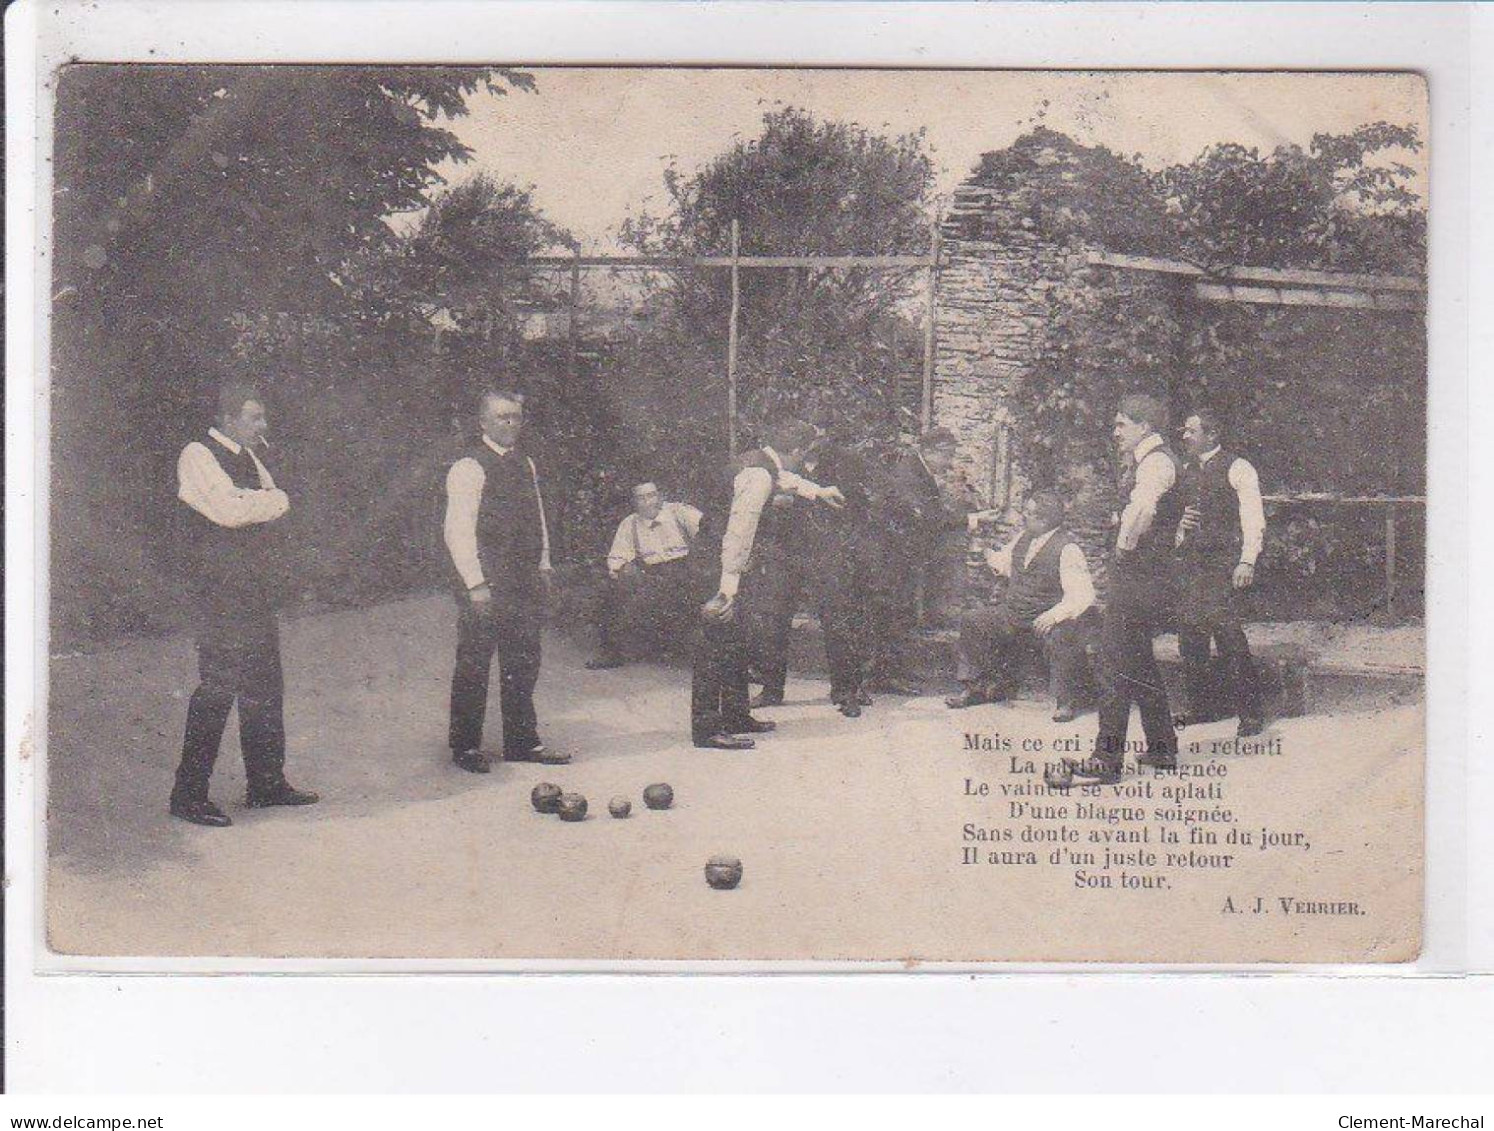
x,y
723,872
572,807
658,796
545,797
620,807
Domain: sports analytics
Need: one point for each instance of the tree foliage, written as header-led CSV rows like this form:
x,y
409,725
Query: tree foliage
x,y
1322,400
815,340
216,221
1345,203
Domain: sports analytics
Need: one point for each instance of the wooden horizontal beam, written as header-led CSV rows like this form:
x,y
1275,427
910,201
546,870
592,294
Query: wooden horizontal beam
x,y
1286,277
717,262
1308,296
1350,500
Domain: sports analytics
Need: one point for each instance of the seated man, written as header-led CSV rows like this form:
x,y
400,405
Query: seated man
x,y
648,591
1049,589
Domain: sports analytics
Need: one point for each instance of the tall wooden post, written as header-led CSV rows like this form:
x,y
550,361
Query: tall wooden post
x,y
573,360
1390,559
731,338
930,313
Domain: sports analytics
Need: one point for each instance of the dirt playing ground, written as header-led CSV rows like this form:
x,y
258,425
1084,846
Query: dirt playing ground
x,y
851,831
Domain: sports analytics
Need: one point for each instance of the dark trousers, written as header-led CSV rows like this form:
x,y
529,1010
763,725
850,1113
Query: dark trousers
x,y
719,692
1208,613
843,620
511,630
776,598
996,642
1129,674
238,661
643,611
893,613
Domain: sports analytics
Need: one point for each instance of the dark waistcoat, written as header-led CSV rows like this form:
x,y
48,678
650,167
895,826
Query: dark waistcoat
x,y
1206,486
232,565
510,534
705,556
1036,587
1154,551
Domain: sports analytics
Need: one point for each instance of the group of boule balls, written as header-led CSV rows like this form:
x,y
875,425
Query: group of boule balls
x,y
721,872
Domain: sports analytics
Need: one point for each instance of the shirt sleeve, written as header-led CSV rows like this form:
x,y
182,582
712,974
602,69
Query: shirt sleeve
x,y
205,487
463,497
796,484
1000,560
689,519
1247,485
750,492
1154,478
1078,586
623,541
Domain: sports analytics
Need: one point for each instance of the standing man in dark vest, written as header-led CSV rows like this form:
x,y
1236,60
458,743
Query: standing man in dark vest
x,y
719,702
499,543
1049,589
1142,587
232,500
1218,541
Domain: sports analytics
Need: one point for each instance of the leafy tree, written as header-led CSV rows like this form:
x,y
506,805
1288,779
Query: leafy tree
x,y
1343,203
1323,400
200,210
831,341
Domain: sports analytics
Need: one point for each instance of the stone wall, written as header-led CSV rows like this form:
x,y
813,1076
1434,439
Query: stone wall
x,y
992,303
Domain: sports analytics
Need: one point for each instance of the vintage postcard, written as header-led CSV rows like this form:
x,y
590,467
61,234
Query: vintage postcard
x,y
908,516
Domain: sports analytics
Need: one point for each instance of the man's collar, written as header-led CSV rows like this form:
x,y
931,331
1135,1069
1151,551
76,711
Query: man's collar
x,y
772,455
488,441
1208,455
225,441
1149,443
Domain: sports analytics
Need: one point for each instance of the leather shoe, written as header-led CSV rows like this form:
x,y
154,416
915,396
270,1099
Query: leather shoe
x,y
603,663
725,742
282,794
766,699
750,726
473,761
967,698
1249,728
200,813
537,753
851,709
1158,761
1065,715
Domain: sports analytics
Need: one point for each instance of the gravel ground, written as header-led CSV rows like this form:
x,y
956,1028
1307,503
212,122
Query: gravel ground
x,y
850,830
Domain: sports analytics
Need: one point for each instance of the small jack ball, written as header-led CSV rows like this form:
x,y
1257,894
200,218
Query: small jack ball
x,y
658,796
619,807
723,872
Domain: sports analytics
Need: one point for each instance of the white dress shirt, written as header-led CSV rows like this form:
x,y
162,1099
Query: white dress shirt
x,y
664,538
209,490
751,490
1155,476
464,483
1247,487
1073,573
